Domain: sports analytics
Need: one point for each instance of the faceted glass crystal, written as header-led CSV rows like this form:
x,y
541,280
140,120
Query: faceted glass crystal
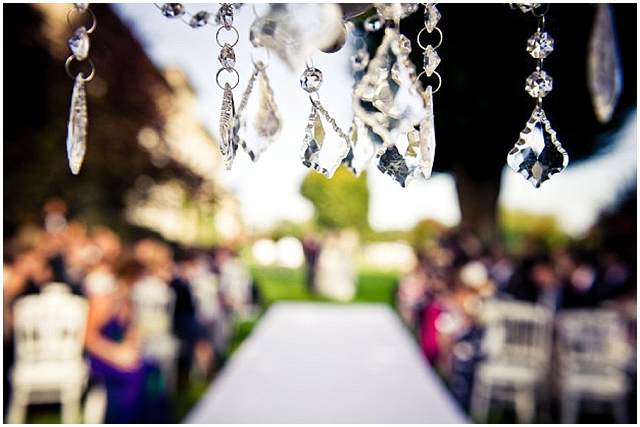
x,y
77,126
413,153
527,7
227,57
172,10
540,45
228,142
604,73
258,116
395,11
200,19
538,154
539,84
295,30
79,43
405,44
81,7
311,80
431,60
431,17
320,151
225,15
363,147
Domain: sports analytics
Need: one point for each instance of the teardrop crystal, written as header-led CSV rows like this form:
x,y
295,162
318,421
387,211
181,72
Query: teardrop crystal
x,y
258,116
538,154
320,151
77,126
604,73
228,131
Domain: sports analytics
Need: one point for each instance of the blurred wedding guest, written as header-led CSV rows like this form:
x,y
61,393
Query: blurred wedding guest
x,y
536,281
311,248
115,354
411,294
100,277
336,276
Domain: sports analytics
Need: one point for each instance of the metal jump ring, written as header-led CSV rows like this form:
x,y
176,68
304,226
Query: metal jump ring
x,y
434,73
265,64
86,79
227,28
546,9
434,29
93,19
229,70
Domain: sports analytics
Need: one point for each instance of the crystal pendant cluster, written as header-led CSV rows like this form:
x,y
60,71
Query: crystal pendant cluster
x,y
79,45
537,154
321,150
229,139
604,73
392,104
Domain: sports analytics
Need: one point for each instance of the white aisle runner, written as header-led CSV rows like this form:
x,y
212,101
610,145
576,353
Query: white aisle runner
x,y
328,363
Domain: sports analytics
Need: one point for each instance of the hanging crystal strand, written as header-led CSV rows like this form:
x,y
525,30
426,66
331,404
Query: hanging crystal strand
x,y
259,121
431,60
228,127
78,119
604,74
363,140
537,154
321,151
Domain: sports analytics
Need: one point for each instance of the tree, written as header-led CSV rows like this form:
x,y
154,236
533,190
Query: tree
x,y
339,202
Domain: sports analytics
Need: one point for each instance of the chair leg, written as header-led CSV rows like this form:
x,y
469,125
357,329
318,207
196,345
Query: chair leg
x,y
620,410
524,401
95,405
569,409
70,404
480,401
17,413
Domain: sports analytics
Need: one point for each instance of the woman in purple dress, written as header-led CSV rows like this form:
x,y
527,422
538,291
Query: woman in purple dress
x,y
134,385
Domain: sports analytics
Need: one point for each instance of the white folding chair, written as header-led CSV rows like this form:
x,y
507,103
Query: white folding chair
x,y
154,304
516,346
49,333
593,353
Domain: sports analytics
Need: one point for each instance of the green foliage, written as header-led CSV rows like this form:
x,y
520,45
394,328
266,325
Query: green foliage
x,y
519,227
339,202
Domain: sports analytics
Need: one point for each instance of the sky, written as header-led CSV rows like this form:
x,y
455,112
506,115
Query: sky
x,y
269,189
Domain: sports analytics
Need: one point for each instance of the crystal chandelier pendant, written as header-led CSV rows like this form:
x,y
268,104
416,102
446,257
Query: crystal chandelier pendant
x,y
538,154
604,74
258,117
412,155
362,148
322,151
391,102
77,126
79,43
228,128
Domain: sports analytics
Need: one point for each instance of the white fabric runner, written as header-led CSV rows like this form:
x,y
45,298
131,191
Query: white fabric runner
x,y
328,363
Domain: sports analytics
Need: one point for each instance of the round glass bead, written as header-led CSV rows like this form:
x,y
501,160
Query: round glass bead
x,y
172,10
311,80
200,19
227,57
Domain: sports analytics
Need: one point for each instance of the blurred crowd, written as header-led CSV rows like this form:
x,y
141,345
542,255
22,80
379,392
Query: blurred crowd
x,y
205,289
442,298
